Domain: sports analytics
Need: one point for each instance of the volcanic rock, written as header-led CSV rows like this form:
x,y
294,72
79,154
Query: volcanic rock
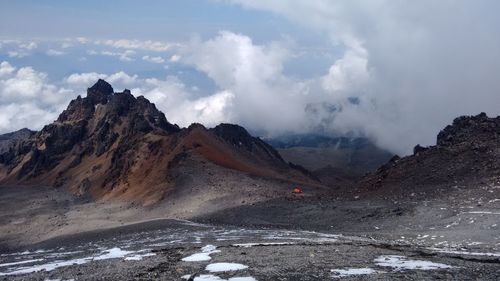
x,y
114,145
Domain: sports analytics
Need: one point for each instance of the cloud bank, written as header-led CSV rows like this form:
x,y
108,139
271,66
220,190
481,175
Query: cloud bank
x,y
397,72
413,65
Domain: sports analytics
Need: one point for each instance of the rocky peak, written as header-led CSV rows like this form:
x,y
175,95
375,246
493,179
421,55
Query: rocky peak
x,y
470,129
100,92
239,137
234,134
8,141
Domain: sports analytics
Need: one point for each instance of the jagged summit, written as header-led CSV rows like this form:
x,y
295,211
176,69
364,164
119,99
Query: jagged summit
x,y
470,128
99,91
114,145
466,152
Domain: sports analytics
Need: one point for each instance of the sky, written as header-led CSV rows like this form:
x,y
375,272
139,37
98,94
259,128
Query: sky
x,y
396,72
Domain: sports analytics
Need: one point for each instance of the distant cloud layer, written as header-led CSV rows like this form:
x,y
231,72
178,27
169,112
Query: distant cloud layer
x,y
414,65
397,71
27,98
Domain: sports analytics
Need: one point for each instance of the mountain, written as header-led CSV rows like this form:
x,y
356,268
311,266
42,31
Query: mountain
x,y
9,139
466,155
112,145
334,160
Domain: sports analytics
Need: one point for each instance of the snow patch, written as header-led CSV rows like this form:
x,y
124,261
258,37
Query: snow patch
x,y
47,267
484,212
112,253
204,277
449,251
248,245
204,255
139,257
402,263
352,271
225,266
19,262
209,277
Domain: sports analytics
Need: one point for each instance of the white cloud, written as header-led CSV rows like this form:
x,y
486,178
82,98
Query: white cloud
x,y
19,49
175,58
82,80
66,44
52,52
122,56
147,45
349,72
28,45
82,40
153,59
412,71
17,54
183,107
27,99
262,97
122,78
6,68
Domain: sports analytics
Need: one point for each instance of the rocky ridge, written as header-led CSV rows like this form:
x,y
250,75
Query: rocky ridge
x,y
466,152
114,145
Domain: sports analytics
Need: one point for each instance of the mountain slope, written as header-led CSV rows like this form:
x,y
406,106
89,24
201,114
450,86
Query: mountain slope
x,y
335,161
113,145
467,153
8,140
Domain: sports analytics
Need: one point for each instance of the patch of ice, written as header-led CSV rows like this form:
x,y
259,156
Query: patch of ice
x,y
62,254
47,267
448,251
112,253
204,255
139,257
19,262
208,248
225,266
402,263
484,212
204,277
352,271
208,277
248,245
190,223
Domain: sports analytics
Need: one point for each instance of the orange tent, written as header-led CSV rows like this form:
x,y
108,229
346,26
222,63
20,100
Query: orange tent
x,y
297,190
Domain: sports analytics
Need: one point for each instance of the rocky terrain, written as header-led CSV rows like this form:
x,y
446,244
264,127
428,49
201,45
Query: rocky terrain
x,y
465,156
9,139
104,192
111,145
335,161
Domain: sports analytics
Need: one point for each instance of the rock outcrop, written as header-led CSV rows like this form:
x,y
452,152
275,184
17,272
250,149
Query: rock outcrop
x,y
466,152
114,145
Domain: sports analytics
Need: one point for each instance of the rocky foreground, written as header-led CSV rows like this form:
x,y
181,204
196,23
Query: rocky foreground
x,y
111,189
177,250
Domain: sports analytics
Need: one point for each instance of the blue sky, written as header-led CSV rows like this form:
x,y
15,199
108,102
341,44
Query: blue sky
x,y
275,66
152,19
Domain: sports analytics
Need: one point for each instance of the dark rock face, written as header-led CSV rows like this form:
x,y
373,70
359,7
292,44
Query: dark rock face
x,y
467,129
8,140
100,92
114,145
466,151
239,137
90,125
235,135
418,148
